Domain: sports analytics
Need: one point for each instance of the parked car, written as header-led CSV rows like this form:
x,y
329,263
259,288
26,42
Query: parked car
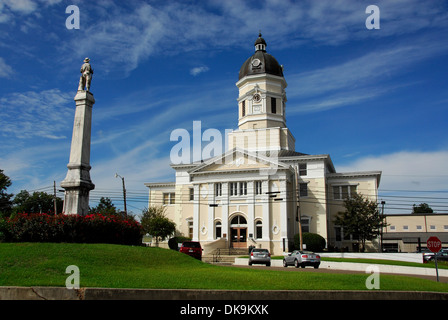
x,y
260,256
192,248
427,255
442,255
302,258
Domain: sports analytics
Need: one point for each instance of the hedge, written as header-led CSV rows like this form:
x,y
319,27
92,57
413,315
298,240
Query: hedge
x,y
93,228
313,241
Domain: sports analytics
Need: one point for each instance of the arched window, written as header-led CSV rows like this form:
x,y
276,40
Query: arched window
x,y
258,229
218,230
238,220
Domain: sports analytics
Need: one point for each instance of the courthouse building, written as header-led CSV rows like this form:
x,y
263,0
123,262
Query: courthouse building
x,y
256,193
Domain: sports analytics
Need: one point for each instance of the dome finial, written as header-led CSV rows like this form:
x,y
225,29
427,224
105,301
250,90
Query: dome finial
x,y
260,44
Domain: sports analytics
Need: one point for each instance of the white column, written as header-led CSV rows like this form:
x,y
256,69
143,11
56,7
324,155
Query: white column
x,y
225,209
250,208
196,212
283,213
266,211
211,212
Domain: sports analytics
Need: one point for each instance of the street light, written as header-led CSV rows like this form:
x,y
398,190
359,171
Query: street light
x,y
124,193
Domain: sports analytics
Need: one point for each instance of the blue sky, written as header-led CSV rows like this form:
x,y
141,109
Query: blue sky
x,y
372,99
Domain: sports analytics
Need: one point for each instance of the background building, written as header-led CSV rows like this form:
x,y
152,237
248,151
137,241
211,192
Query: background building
x,y
256,192
408,232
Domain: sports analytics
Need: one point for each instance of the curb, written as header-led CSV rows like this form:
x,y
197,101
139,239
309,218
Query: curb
x,y
62,293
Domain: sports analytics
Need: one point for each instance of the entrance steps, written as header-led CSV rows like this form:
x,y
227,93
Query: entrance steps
x,y
225,256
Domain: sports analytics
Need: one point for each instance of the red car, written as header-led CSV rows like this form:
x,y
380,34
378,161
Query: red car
x,y
192,248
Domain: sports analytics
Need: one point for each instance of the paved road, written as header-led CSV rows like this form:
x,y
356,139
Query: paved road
x,y
325,270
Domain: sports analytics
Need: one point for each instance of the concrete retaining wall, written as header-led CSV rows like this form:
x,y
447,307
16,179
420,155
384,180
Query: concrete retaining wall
x,y
61,293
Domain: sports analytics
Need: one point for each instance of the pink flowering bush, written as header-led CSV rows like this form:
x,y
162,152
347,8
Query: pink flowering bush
x,y
93,228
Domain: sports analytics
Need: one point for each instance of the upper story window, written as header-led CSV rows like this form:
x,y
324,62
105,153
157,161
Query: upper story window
x,y
344,192
169,198
218,189
258,187
191,190
273,105
243,108
238,188
302,169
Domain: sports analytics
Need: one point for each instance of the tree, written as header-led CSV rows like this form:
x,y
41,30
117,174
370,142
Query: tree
x,y
422,208
105,207
361,218
156,224
38,202
5,198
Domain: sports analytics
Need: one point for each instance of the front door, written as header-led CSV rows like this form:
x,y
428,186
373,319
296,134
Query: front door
x,y
239,237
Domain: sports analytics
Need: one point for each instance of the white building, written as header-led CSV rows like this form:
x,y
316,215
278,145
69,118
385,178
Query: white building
x,y
255,193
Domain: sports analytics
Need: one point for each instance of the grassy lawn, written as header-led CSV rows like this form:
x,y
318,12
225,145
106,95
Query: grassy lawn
x,y
115,266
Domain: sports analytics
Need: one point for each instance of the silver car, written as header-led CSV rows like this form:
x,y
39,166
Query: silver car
x,y
261,256
302,258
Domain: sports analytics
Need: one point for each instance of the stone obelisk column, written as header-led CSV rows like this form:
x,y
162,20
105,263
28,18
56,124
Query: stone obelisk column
x,y
77,183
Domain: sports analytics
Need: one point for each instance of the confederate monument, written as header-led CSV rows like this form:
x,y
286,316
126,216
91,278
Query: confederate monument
x,y
77,183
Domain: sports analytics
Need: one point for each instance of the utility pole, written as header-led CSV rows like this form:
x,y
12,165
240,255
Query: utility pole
x,y
299,215
124,193
54,198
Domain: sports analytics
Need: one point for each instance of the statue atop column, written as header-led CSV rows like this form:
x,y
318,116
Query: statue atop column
x,y
86,76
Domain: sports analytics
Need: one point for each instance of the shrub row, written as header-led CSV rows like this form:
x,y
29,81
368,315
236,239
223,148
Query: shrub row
x,y
93,228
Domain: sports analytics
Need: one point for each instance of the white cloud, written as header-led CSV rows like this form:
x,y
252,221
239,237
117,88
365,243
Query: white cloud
x,y
36,114
408,177
197,70
5,70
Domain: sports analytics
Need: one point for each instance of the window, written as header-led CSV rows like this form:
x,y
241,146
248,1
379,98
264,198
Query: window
x,y
190,228
258,230
343,192
218,189
258,188
238,188
338,233
169,198
392,227
445,227
238,220
405,227
243,108
302,169
432,227
191,194
305,224
243,188
419,227
233,188
218,230
303,189
273,105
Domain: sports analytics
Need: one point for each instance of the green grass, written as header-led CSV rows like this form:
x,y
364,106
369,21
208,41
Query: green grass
x,y
115,266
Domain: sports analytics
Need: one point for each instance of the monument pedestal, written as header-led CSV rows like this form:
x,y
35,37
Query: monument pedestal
x,y
77,183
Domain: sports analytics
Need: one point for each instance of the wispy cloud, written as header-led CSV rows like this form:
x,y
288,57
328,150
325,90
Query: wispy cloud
x,y
5,70
359,79
30,114
197,70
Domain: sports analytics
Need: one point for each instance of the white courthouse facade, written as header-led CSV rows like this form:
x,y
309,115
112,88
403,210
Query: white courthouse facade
x,y
256,193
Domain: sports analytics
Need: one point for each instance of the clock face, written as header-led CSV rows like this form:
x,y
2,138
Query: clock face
x,y
256,62
257,97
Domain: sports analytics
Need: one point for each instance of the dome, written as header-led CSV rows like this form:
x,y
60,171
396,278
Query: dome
x,y
260,62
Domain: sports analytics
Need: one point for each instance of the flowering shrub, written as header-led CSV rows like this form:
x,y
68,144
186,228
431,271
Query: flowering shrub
x,y
93,228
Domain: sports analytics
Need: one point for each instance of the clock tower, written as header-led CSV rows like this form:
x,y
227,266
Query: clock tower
x,y
261,104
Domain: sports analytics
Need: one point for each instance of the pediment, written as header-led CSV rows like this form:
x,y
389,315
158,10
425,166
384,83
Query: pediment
x,y
239,160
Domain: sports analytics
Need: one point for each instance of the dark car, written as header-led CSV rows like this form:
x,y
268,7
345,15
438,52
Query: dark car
x,y
192,248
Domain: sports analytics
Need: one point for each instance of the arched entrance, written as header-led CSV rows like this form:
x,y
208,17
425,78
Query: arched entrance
x,y
238,232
